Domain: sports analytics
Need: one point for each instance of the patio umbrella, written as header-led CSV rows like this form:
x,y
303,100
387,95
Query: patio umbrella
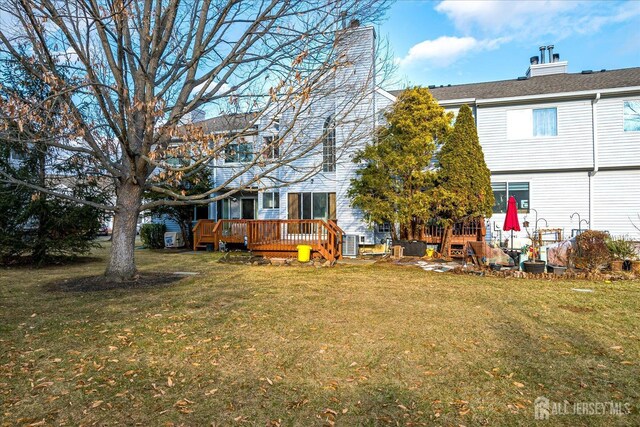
x,y
511,219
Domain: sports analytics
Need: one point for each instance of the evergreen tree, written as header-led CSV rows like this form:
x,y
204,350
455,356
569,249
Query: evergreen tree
x,y
30,222
463,185
397,175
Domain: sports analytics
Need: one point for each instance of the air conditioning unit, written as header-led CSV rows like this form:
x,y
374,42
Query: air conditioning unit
x,y
173,239
350,245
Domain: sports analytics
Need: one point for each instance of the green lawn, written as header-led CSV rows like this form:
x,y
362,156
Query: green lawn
x,y
351,345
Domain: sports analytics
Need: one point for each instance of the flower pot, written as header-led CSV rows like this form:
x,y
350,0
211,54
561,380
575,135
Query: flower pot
x,y
535,267
556,269
635,267
616,265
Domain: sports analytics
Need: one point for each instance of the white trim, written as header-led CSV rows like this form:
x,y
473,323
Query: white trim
x,y
577,94
449,102
547,96
386,94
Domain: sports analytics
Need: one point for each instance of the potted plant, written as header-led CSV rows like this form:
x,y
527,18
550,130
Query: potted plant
x,y
533,265
622,250
635,262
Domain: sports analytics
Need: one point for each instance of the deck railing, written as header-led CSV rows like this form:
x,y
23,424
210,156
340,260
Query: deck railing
x,y
460,229
204,227
278,235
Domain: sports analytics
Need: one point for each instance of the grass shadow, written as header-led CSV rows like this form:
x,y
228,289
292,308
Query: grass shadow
x,y
101,283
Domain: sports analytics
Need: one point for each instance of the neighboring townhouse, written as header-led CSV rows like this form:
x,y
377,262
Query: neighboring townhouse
x,y
342,126
561,143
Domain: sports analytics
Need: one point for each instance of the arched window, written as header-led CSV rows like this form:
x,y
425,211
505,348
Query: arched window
x,y
329,145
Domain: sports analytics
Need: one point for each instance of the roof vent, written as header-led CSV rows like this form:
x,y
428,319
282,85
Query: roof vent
x,y
550,50
432,86
603,70
587,71
522,78
449,85
543,66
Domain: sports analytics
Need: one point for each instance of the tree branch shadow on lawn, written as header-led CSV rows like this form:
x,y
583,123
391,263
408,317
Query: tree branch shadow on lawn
x,y
26,261
565,363
144,280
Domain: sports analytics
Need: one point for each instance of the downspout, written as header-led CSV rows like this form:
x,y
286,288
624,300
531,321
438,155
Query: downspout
x,y
594,128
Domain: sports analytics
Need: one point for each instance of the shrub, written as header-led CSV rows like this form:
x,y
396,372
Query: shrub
x,y
621,248
592,252
152,235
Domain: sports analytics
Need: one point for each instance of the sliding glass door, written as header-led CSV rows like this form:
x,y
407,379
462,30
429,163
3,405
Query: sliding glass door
x,y
311,206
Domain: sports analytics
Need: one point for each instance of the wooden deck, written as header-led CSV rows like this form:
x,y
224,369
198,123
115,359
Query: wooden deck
x,y
462,234
272,237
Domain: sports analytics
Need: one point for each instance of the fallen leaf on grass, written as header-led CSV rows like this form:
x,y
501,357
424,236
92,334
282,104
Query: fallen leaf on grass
x,y
43,385
169,382
517,384
96,403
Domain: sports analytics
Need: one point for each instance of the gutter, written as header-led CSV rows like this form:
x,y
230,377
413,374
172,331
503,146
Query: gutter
x,y
596,163
543,97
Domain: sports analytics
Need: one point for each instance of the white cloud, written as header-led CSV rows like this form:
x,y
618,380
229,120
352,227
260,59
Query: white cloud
x,y
445,50
550,19
224,87
486,24
496,17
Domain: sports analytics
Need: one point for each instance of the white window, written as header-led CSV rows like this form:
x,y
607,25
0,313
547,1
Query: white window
x,y
271,200
16,156
532,123
545,122
271,147
502,191
329,145
631,116
384,227
239,151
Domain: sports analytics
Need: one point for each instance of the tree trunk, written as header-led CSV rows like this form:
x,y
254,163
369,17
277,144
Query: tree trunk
x,y
122,266
186,235
446,242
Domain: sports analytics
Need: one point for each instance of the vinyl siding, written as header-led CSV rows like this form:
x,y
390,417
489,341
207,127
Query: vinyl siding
x,y
571,148
616,197
554,195
615,146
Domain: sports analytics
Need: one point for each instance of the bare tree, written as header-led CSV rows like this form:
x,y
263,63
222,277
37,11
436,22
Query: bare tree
x,y
127,74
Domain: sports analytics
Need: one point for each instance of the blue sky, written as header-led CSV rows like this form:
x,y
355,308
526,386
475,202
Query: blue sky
x,y
454,42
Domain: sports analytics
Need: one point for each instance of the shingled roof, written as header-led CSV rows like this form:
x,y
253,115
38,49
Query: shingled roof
x,y
228,123
539,85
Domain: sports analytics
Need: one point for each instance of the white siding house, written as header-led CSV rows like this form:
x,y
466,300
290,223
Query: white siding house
x,y
564,144
323,195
